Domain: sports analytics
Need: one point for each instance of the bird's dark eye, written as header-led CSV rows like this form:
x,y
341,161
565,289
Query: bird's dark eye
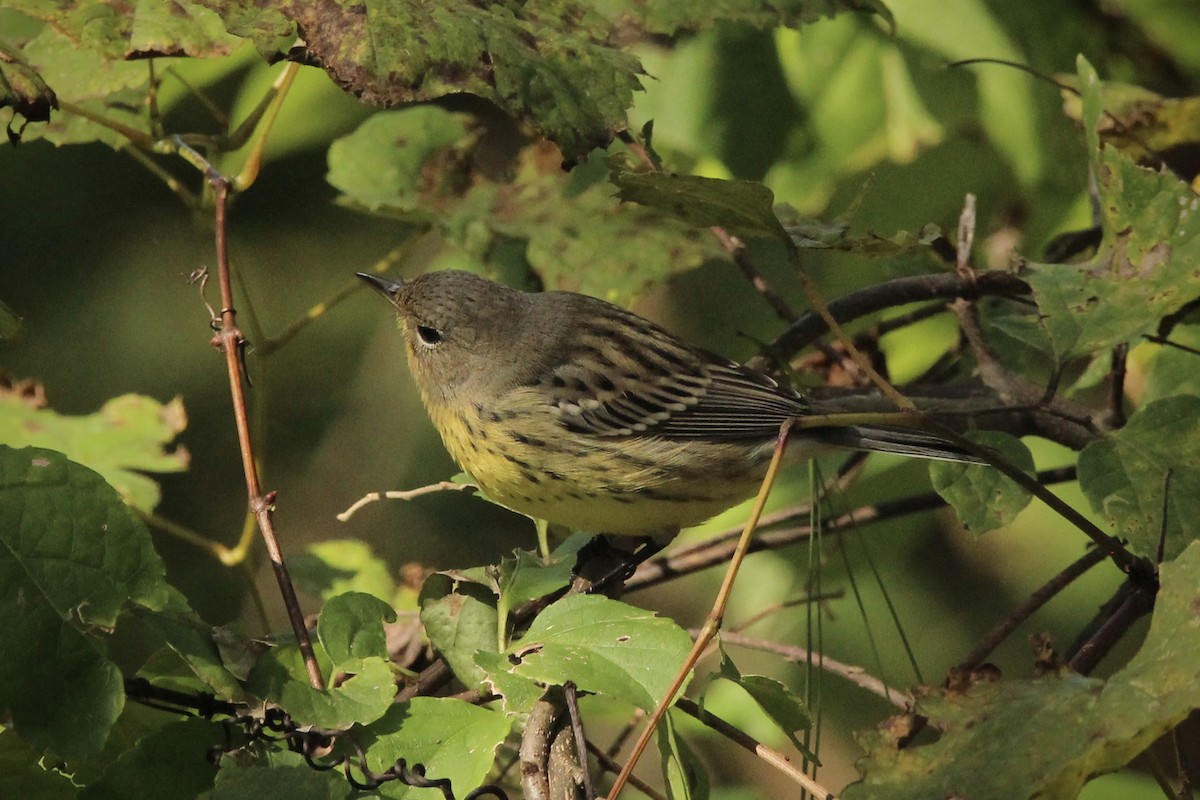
x,y
430,337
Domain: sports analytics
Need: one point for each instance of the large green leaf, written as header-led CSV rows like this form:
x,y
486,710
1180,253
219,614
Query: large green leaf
x,y
25,775
983,497
72,555
124,31
126,437
540,62
743,206
165,764
452,739
460,619
191,640
416,164
363,693
602,646
1149,468
351,627
1148,262
337,566
1045,737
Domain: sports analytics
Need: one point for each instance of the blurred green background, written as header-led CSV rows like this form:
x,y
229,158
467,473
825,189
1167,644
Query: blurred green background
x,y
96,251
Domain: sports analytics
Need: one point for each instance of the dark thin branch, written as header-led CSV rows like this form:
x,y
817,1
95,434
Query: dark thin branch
x,y
752,745
1027,609
856,675
718,549
1133,600
1116,387
571,696
901,291
229,340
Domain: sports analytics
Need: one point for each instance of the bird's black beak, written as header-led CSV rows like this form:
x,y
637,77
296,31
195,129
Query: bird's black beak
x,y
385,286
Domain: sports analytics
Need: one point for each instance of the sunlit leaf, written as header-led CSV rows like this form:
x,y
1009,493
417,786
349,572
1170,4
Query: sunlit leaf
x,y
351,627
452,739
460,619
603,646
1050,734
129,435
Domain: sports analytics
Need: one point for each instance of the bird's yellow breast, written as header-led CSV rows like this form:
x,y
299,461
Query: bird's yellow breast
x,y
633,485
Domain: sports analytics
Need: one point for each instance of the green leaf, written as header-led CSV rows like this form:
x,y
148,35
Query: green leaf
x,y
519,693
364,697
25,777
861,106
603,646
163,764
119,31
525,577
1050,734
337,566
72,555
538,62
785,708
276,782
24,90
684,774
88,80
402,159
452,739
1148,263
1126,474
459,618
743,207
129,435
351,627
178,627
414,164
1006,111
983,497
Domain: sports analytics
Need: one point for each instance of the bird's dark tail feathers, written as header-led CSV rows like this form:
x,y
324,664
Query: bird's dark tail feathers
x,y
895,440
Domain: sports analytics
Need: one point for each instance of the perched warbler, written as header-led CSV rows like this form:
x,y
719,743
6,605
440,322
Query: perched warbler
x,y
570,409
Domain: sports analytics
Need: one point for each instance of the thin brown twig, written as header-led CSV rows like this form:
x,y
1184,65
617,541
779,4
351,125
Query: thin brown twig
x,y
433,676
230,341
1135,600
407,494
713,622
800,655
966,239
772,757
571,698
609,765
737,251
1063,421
778,608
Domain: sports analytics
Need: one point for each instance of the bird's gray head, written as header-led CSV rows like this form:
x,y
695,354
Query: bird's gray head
x,y
459,328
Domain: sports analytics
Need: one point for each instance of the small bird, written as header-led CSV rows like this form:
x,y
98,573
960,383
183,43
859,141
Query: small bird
x,y
570,409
